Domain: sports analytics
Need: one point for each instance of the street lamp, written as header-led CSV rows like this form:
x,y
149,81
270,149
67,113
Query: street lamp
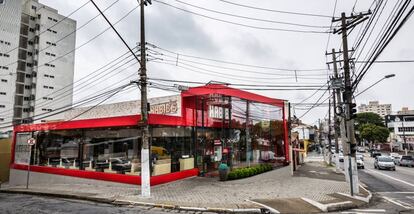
x,y
385,77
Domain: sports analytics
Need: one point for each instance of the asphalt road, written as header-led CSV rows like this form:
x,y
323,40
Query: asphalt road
x,y
393,190
28,204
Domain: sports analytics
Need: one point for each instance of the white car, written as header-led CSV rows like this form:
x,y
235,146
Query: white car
x,y
384,162
360,162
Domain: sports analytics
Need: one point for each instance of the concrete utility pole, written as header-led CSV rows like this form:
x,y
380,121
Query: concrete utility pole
x,y
337,98
350,144
145,154
329,128
248,139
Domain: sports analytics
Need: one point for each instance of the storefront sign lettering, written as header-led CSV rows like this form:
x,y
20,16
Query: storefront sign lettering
x,y
217,112
170,107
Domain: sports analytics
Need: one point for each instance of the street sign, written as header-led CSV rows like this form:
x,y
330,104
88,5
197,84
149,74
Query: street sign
x,y
31,141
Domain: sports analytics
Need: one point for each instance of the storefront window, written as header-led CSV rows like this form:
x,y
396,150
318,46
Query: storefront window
x,y
112,150
171,150
21,151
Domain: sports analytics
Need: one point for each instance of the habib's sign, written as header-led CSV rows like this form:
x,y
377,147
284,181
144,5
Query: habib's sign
x,y
169,107
217,112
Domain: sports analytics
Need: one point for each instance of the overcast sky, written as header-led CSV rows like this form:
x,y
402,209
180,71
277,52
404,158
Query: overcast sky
x,y
189,34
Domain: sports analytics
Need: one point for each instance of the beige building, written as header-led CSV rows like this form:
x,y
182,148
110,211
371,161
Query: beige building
x,y
405,111
375,107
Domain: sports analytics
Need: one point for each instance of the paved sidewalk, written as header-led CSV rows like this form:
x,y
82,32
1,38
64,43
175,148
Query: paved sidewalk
x,y
312,181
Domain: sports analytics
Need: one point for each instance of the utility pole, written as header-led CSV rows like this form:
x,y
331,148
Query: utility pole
x,y
329,128
248,139
145,150
339,122
345,25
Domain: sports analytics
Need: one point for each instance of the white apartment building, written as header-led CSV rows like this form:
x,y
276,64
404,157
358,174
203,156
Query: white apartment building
x,y
375,107
36,62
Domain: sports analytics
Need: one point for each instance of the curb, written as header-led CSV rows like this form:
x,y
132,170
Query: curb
x,y
332,206
133,203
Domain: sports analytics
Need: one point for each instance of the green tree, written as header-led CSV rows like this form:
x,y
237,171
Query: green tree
x,y
374,133
368,118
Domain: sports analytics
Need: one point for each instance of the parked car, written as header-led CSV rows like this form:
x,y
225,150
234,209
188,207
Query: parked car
x,y
406,160
384,162
397,160
360,162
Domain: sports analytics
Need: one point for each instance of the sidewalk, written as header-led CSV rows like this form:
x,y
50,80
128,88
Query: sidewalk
x,y
313,182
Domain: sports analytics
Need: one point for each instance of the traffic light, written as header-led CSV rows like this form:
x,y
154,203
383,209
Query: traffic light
x,y
352,111
352,148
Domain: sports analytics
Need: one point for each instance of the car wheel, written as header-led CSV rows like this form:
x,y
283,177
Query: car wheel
x,y
393,169
363,167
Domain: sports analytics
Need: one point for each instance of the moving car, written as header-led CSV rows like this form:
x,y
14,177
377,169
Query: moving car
x,y
360,162
384,162
406,160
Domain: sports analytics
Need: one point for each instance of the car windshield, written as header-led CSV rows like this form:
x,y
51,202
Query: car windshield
x,y
407,157
384,159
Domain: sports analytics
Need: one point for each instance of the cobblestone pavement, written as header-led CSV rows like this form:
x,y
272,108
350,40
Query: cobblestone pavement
x,y
209,192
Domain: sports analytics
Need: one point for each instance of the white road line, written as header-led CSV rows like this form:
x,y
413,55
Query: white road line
x,y
369,210
396,179
396,203
396,192
272,210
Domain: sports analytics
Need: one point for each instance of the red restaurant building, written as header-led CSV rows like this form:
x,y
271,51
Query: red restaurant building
x,y
191,134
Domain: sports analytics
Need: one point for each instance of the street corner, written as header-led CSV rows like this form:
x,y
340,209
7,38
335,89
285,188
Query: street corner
x,y
318,170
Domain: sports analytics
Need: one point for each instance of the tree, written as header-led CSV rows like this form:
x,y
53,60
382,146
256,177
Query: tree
x,y
368,118
374,133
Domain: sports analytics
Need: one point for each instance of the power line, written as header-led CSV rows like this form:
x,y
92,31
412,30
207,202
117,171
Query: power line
x,y
55,24
240,24
84,80
67,35
71,106
276,11
234,84
236,63
386,40
251,18
117,33
237,69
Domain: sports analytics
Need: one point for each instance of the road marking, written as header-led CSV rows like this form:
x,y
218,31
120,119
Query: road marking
x,y
396,192
396,203
272,210
370,210
357,211
396,179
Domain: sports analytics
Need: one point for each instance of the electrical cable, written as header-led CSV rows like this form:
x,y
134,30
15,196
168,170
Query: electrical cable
x,y
235,63
240,24
55,24
276,11
250,18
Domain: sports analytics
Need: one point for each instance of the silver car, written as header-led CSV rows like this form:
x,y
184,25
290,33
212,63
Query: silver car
x,y
384,162
406,160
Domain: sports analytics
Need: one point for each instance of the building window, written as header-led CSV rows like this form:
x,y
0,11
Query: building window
x,y
34,7
1,119
2,93
28,76
5,68
2,106
27,87
3,80
26,98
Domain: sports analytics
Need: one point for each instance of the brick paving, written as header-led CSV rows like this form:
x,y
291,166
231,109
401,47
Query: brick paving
x,y
209,192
